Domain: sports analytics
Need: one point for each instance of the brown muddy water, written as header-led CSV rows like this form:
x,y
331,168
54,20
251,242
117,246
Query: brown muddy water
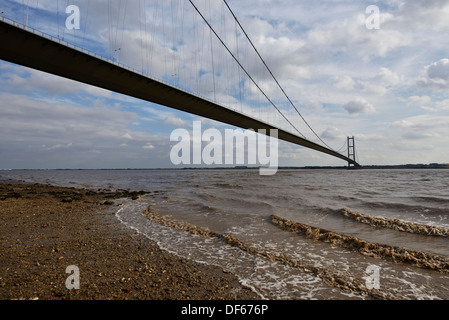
x,y
300,234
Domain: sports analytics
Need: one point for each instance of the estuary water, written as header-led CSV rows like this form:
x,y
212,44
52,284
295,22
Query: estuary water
x,y
300,234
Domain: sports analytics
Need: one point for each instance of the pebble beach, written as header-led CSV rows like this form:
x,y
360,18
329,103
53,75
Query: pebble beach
x,y
45,229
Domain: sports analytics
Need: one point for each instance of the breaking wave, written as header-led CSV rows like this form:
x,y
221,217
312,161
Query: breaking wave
x,y
394,253
396,224
332,278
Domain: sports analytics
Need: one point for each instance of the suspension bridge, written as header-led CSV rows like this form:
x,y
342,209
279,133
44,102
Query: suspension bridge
x,y
221,75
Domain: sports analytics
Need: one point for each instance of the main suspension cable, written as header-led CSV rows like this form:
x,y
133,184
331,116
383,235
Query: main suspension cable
x,y
243,68
277,82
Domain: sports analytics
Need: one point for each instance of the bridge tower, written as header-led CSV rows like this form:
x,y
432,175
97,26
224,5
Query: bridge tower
x,y
351,151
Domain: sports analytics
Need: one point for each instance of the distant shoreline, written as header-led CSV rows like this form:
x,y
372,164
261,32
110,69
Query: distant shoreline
x,y
399,166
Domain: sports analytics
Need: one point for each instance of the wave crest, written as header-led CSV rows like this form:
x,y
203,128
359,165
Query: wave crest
x,y
396,224
335,279
394,253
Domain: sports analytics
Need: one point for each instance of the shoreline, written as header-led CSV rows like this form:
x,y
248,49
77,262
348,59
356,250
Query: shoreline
x,y
45,229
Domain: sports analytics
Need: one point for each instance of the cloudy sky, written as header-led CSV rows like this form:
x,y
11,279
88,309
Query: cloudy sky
x,y
385,80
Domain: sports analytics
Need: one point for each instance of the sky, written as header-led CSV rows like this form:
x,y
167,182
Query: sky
x,y
383,79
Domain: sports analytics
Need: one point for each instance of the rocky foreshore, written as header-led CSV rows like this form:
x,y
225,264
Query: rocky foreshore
x,y
46,229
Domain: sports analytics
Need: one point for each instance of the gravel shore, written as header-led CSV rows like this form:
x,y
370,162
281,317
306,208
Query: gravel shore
x,y
45,229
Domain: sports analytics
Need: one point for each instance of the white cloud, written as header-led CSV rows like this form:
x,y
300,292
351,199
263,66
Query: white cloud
x,y
420,100
127,136
371,137
443,105
418,135
374,89
422,127
423,122
53,135
174,121
332,133
351,36
387,77
436,75
56,147
149,146
344,83
359,106
424,14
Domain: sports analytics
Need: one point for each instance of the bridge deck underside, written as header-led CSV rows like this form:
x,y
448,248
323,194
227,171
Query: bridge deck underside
x,y
25,48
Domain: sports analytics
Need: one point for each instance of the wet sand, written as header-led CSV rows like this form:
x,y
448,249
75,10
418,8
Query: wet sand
x,y
44,229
